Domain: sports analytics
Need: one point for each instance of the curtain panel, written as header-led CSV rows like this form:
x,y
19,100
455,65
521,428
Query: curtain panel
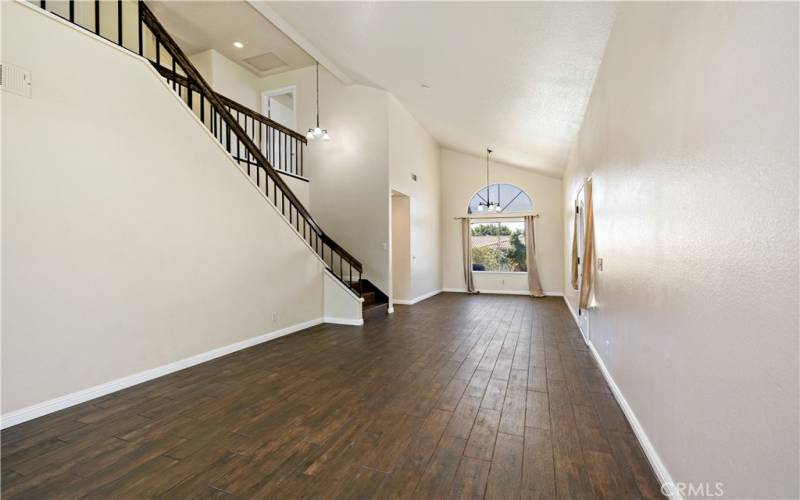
x,y
534,285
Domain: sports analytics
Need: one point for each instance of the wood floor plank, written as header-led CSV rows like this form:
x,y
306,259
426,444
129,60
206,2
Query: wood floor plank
x,y
506,472
537,379
495,394
470,480
463,418
512,420
483,435
538,470
537,410
441,470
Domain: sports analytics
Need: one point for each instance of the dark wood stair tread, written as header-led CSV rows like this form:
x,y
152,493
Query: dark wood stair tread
x,y
369,298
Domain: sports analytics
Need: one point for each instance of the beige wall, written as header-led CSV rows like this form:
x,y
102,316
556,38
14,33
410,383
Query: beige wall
x,y
691,136
401,248
375,147
349,187
129,239
462,176
412,150
228,78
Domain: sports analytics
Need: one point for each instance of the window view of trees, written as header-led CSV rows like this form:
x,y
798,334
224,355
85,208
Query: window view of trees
x,y
498,246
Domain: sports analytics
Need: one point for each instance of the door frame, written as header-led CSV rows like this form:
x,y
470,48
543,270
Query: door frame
x,y
407,236
266,94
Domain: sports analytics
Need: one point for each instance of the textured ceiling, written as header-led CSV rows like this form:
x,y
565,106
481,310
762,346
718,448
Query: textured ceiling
x,y
203,25
515,76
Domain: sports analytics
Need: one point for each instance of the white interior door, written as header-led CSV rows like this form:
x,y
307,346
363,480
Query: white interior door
x,y
279,106
281,109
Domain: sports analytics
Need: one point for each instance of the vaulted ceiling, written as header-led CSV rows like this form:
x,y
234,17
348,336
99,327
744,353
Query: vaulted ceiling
x,y
516,76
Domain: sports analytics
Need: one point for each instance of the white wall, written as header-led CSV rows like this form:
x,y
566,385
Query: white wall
x,y
228,78
462,176
412,150
129,239
692,139
340,305
349,175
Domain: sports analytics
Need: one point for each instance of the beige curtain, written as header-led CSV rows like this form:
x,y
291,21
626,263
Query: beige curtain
x,y
575,251
534,285
587,281
466,246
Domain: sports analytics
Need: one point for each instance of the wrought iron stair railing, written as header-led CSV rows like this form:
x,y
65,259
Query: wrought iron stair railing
x,y
253,140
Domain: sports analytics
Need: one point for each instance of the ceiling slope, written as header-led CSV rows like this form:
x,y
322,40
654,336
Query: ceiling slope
x,y
513,75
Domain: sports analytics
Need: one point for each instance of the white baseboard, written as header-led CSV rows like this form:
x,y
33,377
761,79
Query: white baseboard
x,y
575,318
418,299
658,466
499,292
343,321
61,402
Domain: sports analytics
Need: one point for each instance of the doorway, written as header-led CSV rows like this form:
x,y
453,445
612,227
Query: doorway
x,y
401,247
280,106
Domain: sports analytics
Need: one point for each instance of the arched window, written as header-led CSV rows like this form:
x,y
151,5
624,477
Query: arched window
x,y
509,197
498,243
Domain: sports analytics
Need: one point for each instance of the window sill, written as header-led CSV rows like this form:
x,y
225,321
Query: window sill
x,y
500,272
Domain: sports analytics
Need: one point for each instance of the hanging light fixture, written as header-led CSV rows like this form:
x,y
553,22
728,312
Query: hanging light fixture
x,y
316,132
489,205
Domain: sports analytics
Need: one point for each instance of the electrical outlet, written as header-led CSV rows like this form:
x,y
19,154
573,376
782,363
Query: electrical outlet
x,y
608,346
599,263
274,317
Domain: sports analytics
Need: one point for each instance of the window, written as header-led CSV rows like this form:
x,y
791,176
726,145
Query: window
x,y
510,197
498,246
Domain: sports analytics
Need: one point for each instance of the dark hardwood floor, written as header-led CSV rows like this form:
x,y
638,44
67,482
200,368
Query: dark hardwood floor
x,y
458,396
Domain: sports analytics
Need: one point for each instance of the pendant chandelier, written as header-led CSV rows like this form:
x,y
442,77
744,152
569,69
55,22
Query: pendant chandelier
x,y
488,205
317,132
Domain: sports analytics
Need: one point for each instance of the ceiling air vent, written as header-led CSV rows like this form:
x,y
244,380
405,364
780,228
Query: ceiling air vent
x,y
15,79
266,62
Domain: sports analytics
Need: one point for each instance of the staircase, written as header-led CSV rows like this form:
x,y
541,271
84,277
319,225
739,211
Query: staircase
x,y
264,149
375,301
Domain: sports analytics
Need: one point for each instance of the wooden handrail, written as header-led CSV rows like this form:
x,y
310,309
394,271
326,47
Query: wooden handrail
x,y
198,82
263,119
182,80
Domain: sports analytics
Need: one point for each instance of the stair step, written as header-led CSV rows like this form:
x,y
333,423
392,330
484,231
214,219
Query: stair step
x,y
369,298
378,308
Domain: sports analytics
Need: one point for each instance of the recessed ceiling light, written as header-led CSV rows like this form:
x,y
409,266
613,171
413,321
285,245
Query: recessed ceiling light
x,y
238,45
